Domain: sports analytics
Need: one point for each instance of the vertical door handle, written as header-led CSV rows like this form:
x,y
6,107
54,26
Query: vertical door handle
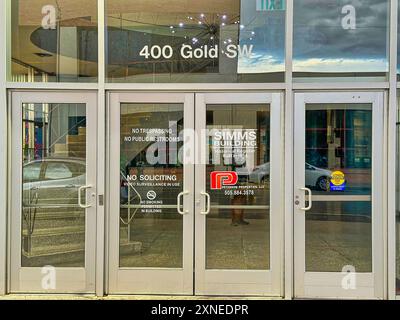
x,y
180,196
83,188
309,199
208,208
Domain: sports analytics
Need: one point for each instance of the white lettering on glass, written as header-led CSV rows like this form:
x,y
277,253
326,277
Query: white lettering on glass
x,y
188,52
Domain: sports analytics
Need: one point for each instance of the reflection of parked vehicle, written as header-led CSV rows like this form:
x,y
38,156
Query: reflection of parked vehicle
x,y
315,177
53,181
56,181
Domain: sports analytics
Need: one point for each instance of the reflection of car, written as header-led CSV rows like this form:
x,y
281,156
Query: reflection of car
x,y
315,177
53,181
259,174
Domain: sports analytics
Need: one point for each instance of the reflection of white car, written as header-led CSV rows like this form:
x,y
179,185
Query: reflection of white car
x,y
53,181
315,177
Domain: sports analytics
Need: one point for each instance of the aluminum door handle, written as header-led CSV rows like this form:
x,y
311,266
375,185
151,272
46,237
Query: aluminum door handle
x,y
180,196
83,188
309,199
208,209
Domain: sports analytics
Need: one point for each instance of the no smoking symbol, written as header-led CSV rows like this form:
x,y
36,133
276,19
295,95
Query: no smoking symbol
x,y
151,195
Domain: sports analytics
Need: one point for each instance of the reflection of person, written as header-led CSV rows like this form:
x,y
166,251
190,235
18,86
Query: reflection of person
x,y
238,214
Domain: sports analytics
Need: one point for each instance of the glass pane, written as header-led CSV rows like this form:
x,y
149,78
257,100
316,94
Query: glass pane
x,y
339,137
54,167
53,41
238,226
151,229
341,38
338,170
195,41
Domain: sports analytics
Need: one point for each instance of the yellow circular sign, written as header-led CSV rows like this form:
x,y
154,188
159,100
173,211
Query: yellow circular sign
x,y
338,178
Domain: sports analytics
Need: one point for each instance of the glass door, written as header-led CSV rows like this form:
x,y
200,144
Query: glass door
x,y
53,211
338,183
151,193
238,203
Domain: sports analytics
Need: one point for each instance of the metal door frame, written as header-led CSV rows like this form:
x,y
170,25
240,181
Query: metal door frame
x,y
247,282
324,284
68,280
177,281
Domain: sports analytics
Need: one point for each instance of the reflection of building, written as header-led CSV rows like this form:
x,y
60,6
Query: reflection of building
x,y
35,132
343,142
65,54
45,135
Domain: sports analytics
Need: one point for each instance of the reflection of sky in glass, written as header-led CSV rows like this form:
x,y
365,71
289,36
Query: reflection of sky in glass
x,y
265,30
322,45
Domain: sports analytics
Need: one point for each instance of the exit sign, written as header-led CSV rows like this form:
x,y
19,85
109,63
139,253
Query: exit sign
x,y
270,5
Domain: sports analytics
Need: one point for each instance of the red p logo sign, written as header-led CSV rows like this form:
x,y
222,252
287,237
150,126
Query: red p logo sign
x,y
223,178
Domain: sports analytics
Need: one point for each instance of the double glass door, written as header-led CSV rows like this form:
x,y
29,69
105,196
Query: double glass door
x,y
338,189
192,210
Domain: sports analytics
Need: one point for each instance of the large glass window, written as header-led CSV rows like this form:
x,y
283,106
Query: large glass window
x,y
53,41
195,41
341,38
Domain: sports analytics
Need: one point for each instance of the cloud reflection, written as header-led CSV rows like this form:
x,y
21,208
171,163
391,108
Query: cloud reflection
x,y
322,45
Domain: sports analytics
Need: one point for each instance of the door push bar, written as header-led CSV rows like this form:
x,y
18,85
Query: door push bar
x,y
208,208
180,196
309,199
83,188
